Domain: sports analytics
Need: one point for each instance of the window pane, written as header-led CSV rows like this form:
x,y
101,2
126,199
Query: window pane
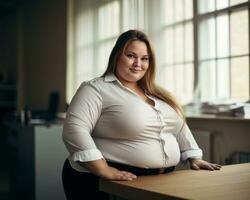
x,y
183,82
207,81
207,39
178,10
129,16
169,78
169,46
223,81
167,7
104,51
240,78
84,61
106,26
179,82
189,83
83,21
132,15
179,44
239,38
220,4
205,6
234,2
189,42
188,9
222,36
140,15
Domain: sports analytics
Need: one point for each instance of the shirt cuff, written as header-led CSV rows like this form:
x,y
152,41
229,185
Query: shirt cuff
x,y
86,155
194,153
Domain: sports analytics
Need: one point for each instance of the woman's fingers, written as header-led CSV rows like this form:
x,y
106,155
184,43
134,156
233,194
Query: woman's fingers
x,y
202,164
194,166
123,175
208,166
216,166
211,166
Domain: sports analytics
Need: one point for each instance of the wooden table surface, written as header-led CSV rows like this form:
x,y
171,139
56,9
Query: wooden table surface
x,y
231,182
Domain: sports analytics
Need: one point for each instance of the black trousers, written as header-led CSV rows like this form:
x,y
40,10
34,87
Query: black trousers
x,y
81,185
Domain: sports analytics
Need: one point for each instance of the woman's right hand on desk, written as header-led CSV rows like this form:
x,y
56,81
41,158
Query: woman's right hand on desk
x,y
111,173
102,169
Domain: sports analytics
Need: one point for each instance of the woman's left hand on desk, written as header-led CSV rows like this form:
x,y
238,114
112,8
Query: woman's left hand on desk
x,y
197,164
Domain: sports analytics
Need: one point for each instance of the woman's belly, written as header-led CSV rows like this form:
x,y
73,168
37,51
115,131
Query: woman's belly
x,y
141,153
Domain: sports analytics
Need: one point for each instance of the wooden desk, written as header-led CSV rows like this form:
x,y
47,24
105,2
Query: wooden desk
x,y
231,182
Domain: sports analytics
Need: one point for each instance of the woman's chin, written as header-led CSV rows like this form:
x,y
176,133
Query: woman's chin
x,y
135,77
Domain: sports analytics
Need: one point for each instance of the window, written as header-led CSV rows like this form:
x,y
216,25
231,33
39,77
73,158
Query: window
x,y
202,46
178,62
93,29
94,35
223,50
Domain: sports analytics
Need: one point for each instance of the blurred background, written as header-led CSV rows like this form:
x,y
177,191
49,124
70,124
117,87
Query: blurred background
x,y
48,47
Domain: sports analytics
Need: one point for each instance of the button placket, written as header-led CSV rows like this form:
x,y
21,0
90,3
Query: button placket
x,y
160,118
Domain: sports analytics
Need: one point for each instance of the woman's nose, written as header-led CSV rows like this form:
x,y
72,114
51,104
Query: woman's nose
x,y
137,62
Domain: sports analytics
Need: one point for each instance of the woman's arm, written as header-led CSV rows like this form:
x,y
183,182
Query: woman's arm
x,y
102,169
82,116
83,113
188,146
191,151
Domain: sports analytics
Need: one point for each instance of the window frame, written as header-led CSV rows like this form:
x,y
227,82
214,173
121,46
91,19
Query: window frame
x,y
196,21
148,9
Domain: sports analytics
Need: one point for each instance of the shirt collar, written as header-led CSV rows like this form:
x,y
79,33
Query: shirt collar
x,y
110,78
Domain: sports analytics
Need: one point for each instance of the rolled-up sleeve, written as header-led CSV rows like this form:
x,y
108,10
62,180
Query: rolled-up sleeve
x,y
82,115
188,145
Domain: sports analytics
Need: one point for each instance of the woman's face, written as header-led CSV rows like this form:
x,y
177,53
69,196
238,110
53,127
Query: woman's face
x,y
133,62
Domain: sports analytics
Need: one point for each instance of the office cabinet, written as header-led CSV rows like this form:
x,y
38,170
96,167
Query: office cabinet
x,y
37,156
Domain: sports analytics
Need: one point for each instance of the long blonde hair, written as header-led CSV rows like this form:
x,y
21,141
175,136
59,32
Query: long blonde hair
x,y
147,83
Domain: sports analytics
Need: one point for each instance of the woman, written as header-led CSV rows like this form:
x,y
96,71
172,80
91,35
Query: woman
x,y
122,124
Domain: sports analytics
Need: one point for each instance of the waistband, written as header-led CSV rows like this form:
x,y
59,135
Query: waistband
x,y
141,171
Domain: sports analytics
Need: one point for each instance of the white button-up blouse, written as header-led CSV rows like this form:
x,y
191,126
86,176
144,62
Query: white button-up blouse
x,y
106,120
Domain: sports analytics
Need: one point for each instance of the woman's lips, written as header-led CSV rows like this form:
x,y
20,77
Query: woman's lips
x,y
136,69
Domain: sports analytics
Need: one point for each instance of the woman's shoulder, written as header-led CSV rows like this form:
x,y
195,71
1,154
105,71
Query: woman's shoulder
x,y
102,84
95,83
89,88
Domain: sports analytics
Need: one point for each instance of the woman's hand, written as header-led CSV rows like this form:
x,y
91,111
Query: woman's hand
x,y
111,173
102,169
197,164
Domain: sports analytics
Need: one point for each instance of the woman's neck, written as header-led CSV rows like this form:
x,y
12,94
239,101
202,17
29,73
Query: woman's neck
x,y
131,85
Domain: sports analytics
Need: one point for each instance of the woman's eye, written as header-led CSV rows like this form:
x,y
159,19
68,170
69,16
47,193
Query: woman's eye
x,y
130,56
144,59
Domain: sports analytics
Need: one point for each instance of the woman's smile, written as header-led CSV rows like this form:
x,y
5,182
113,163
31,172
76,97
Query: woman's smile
x,y
135,69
